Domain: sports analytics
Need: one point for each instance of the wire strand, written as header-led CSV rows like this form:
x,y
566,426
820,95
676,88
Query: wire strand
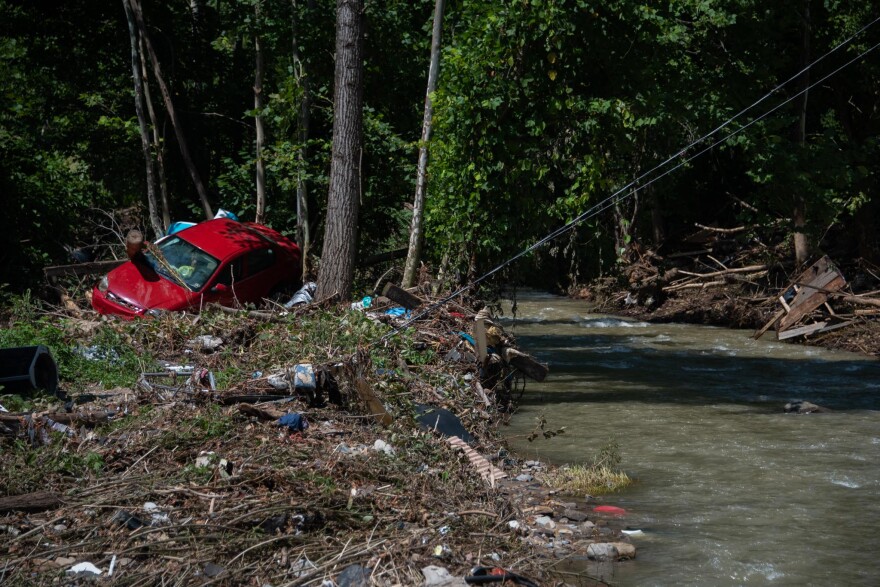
x,y
619,196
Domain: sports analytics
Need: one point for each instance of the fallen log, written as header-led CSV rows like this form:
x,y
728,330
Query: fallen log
x,y
30,502
749,269
79,269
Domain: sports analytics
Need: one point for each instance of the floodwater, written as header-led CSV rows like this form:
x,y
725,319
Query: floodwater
x,y
729,489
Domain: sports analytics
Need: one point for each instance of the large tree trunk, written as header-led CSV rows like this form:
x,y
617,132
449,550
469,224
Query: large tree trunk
x,y
343,199
152,204
303,235
158,142
172,113
799,216
258,119
417,232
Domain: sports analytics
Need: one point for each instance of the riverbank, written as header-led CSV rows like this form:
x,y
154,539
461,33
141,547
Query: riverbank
x,y
188,450
738,285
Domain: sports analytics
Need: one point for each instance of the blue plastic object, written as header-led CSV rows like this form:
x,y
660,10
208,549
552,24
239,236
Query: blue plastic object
x,y
294,421
178,226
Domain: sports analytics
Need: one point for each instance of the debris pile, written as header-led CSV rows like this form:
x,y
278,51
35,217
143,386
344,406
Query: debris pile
x,y
289,451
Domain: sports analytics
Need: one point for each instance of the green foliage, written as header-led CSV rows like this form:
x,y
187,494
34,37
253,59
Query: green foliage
x,y
108,359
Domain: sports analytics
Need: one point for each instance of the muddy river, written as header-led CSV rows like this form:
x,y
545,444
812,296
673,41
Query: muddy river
x,y
729,489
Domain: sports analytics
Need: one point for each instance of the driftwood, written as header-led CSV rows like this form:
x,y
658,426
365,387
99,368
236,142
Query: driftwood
x,y
30,502
817,282
734,230
401,296
374,404
529,366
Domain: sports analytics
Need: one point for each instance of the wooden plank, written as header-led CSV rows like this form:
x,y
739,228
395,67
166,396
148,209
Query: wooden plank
x,y
489,472
382,257
802,331
374,404
769,324
401,296
480,338
78,269
815,283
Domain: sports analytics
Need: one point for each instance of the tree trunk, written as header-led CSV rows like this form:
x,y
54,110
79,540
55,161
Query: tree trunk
x,y
343,199
158,143
799,216
303,236
416,235
172,113
152,204
258,119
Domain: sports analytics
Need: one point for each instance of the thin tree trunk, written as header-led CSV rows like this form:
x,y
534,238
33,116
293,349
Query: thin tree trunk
x,y
801,244
303,235
343,199
172,113
152,205
158,143
417,231
258,119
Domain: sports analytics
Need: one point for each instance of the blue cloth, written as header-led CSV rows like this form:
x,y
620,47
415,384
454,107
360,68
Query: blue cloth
x,y
295,422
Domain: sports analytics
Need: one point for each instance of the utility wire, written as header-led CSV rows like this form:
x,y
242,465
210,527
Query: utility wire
x,y
616,197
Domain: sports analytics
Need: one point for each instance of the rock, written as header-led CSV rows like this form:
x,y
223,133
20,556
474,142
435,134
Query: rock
x,y
439,577
803,407
525,477
212,570
587,527
575,515
545,522
354,576
625,550
602,551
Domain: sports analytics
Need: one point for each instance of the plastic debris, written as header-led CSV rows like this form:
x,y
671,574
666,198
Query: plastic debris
x,y
205,342
86,568
128,520
294,421
304,295
363,304
382,446
354,576
304,378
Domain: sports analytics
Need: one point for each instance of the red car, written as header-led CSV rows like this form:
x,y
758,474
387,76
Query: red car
x,y
218,261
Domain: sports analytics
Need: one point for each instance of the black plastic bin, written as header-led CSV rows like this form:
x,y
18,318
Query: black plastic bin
x,y
23,369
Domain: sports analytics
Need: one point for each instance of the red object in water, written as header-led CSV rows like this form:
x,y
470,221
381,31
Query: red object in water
x,y
610,509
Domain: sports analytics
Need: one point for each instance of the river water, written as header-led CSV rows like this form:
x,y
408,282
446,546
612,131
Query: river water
x,y
729,490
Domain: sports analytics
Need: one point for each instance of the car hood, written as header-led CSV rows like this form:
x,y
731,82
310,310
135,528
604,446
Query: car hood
x,y
137,283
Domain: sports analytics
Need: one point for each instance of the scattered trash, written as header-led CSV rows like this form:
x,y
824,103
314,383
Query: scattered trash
x,y
633,532
127,519
487,575
442,551
440,577
382,446
363,304
23,369
85,569
295,422
158,516
205,343
442,421
610,509
303,296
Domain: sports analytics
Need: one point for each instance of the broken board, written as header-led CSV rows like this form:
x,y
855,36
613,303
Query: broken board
x,y
819,280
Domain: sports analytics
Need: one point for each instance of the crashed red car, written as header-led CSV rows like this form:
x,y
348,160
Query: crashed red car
x,y
219,261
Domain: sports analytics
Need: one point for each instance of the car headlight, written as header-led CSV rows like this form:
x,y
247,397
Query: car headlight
x,y
103,285
155,312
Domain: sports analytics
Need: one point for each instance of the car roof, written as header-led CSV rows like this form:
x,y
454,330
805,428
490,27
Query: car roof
x,y
222,237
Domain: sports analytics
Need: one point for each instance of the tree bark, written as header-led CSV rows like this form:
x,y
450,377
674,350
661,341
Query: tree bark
x,y
799,215
258,119
416,235
172,113
343,199
158,143
303,236
152,204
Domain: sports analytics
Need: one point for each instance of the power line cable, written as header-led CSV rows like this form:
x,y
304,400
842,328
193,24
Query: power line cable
x,y
616,197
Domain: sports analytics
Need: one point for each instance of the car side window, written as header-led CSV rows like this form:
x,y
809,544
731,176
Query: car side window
x,y
231,273
259,261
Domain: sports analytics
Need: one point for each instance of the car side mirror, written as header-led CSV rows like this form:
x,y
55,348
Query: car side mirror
x,y
220,288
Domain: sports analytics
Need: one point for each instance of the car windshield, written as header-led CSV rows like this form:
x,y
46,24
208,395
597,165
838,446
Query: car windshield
x,y
190,264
